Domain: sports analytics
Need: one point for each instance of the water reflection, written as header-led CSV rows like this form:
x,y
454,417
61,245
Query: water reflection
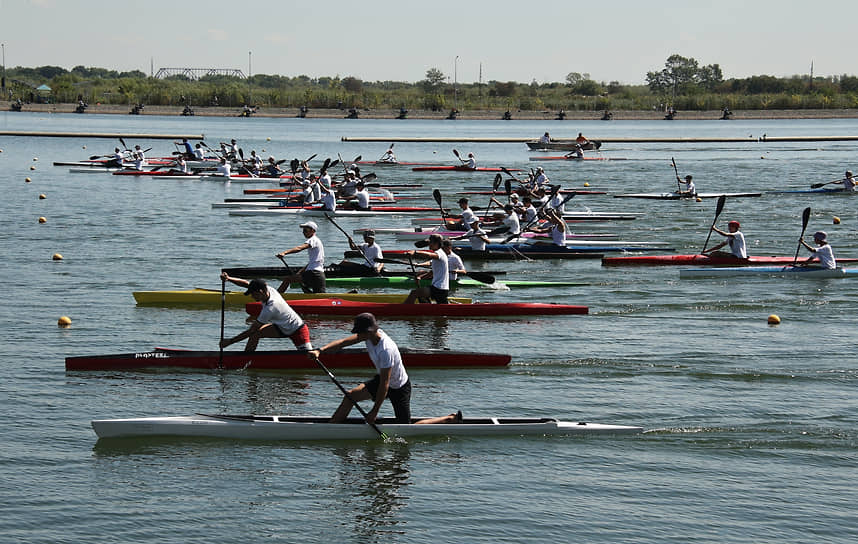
x,y
434,333
372,480
260,393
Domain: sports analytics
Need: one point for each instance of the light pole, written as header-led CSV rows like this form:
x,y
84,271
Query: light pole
x,y
249,72
3,46
456,83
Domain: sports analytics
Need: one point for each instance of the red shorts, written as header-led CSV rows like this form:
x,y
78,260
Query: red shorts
x,y
300,337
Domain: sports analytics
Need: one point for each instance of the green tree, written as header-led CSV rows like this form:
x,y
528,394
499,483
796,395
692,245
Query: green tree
x,y
434,80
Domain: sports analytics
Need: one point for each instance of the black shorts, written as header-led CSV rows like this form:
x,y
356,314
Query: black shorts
x,y
313,281
439,295
399,398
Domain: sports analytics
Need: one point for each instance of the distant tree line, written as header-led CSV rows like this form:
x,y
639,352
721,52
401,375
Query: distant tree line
x,y
682,83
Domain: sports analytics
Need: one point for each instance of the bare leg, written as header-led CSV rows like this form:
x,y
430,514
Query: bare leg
x,y
452,418
359,393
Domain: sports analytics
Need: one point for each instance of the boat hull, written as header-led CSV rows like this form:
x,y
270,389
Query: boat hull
x,y
684,196
405,282
701,260
509,254
804,272
319,212
565,158
164,358
211,298
563,145
350,308
303,428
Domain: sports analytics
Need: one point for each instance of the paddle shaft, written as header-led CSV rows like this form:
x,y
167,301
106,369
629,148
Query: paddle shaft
x,y
481,277
351,240
348,396
675,171
805,217
718,208
222,318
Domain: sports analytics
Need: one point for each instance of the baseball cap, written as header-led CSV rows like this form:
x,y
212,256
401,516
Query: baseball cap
x,y
369,233
310,224
364,322
820,235
255,285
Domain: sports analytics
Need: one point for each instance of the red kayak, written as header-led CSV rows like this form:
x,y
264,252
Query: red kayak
x,y
565,158
286,189
387,163
462,168
701,260
522,193
335,306
276,360
174,173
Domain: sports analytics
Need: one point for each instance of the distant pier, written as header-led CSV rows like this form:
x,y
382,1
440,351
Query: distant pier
x,y
112,136
678,140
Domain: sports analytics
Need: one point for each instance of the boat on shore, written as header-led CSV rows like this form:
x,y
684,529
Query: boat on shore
x,y
804,272
702,260
281,427
211,298
165,358
350,308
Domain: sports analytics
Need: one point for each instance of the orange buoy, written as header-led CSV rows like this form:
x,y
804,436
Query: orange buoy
x,y
774,320
43,220
64,321
836,220
57,257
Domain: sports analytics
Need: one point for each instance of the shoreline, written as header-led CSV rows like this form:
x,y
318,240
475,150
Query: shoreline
x,y
467,115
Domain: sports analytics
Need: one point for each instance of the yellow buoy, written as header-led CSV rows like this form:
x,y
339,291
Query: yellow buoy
x,y
42,196
267,139
32,168
698,199
836,220
586,184
35,159
774,320
43,220
28,180
64,321
57,257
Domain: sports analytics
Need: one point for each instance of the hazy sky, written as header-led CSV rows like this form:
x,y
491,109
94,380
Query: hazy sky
x,y
389,40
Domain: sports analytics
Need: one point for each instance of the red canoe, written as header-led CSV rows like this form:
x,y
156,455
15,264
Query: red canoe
x,y
335,306
276,360
701,260
565,158
461,169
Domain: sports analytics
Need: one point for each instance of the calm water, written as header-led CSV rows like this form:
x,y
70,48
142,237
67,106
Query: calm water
x,y
752,427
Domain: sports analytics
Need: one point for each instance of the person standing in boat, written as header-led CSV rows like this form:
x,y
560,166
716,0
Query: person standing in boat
x,y
390,382
187,150
823,253
439,290
689,186
312,276
276,320
735,238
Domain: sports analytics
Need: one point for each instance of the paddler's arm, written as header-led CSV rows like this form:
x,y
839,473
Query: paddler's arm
x,y
424,254
336,345
238,281
295,249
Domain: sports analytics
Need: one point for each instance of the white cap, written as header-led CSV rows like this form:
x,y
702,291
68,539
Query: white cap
x,y
310,224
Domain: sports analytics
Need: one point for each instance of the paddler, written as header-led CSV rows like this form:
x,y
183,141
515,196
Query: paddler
x,y
117,159
471,162
359,200
465,219
388,157
187,149
735,238
849,182
824,253
312,276
545,138
556,228
689,185
224,168
276,320
455,265
370,252
476,235
541,178
272,169
577,153
199,153
391,381
440,287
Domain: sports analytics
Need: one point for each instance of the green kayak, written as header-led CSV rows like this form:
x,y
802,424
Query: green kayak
x,y
405,282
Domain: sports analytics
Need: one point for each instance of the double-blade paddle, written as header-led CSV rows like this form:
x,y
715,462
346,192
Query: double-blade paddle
x,y
718,208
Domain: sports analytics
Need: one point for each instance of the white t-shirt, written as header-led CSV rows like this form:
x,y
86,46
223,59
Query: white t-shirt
x,y
737,245
472,163
689,186
558,235
468,217
329,201
454,262
513,223
277,311
223,169
530,214
441,271
315,253
557,203
372,252
825,254
362,198
386,354
475,236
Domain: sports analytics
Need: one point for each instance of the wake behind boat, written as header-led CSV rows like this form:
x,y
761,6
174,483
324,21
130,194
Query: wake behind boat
x,y
804,272
702,260
278,427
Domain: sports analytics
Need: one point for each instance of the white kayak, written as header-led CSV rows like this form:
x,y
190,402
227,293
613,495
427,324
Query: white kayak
x,y
786,271
275,427
319,212
681,196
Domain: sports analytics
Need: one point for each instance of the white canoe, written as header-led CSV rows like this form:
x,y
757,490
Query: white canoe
x,y
786,271
681,196
318,212
274,427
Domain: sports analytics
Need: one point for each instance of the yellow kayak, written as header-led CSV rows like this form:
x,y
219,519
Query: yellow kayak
x,y
211,297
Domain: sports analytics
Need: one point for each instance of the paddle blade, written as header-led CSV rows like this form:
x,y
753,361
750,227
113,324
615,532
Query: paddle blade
x,y
326,164
508,188
369,177
436,194
334,163
498,179
805,217
93,157
481,277
311,157
720,206
121,141
421,243
358,158
456,153
241,153
818,185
